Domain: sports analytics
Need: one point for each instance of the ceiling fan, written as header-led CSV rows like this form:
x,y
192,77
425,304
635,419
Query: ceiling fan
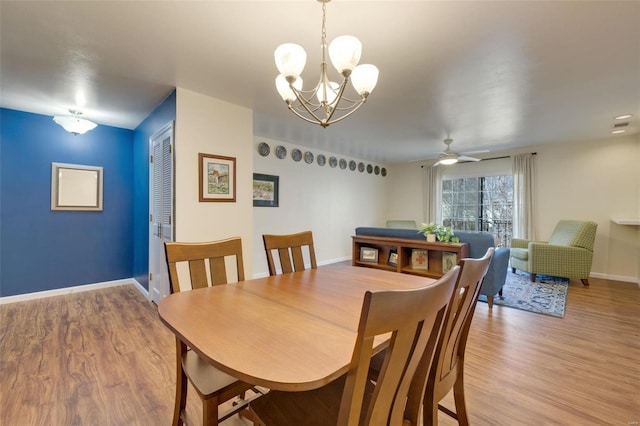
x,y
448,157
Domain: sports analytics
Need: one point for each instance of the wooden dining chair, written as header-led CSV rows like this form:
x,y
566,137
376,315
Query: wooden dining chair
x,y
414,318
290,252
212,385
446,372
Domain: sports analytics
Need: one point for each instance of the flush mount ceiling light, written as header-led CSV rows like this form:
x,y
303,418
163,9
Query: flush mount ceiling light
x,y
74,124
326,103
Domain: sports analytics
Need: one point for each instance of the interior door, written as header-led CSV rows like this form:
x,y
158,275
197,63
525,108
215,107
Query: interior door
x,y
160,209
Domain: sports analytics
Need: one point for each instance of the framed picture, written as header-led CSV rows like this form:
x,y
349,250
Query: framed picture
x,y
265,190
217,176
76,187
420,259
393,258
449,260
368,254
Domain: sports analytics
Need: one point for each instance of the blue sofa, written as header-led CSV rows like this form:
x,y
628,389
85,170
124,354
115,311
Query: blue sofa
x,y
479,242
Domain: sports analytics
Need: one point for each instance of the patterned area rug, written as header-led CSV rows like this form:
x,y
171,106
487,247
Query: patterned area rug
x,y
548,295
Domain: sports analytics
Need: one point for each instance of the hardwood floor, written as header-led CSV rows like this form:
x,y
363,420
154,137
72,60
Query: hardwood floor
x,y
104,358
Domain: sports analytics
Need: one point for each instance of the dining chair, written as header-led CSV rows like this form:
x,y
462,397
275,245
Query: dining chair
x,y
290,252
213,386
446,372
414,318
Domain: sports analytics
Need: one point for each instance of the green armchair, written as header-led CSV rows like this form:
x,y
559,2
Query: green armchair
x,y
567,254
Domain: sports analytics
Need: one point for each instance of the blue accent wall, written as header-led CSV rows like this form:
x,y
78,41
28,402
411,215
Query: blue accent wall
x,y
162,115
41,249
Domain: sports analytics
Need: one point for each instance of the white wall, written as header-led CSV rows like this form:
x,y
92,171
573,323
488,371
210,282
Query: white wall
x,y
591,180
207,125
330,202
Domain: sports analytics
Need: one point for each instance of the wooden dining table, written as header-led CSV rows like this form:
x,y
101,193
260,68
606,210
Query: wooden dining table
x,y
291,332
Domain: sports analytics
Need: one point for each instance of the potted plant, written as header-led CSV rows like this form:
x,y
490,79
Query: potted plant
x,y
429,231
445,234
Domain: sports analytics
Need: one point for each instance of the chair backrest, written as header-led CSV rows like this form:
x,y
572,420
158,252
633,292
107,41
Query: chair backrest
x,y
415,318
450,350
197,255
574,233
289,249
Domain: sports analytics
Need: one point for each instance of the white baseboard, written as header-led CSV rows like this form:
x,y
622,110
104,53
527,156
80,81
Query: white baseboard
x,y
615,277
75,289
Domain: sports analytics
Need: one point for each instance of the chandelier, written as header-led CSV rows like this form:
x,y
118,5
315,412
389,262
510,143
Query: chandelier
x,y
74,124
326,103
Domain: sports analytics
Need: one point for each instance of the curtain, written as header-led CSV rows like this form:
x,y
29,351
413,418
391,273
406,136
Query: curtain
x,y
431,181
523,167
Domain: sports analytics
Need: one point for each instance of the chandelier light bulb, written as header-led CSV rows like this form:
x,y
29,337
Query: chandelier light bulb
x,y
331,92
290,59
285,90
345,52
364,79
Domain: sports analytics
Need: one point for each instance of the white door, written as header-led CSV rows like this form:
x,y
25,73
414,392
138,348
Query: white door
x,y
160,209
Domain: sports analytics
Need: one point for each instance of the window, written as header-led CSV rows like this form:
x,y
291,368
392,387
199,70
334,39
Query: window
x,y
479,204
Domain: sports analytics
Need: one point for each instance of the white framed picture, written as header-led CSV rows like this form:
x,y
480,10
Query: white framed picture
x,y
76,187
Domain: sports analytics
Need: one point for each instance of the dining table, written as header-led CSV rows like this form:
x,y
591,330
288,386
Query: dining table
x,y
290,332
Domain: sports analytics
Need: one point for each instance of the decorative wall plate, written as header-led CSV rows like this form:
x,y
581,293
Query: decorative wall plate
x,y
321,160
383,171
308,157
263,149
361,167
369,168
296,154
343,163
352,165
376,170
281,152
333,162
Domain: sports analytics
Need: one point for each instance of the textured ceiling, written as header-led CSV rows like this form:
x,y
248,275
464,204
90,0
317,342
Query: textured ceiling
x,y
491,75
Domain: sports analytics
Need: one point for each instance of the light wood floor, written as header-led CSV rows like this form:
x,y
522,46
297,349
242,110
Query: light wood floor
x,y
104,358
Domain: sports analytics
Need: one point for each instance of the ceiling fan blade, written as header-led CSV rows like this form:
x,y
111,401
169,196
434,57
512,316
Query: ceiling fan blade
x,y
480,151
465,158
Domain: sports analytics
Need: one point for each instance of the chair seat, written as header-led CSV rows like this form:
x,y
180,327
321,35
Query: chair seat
x,y
206,378
318,407
520,253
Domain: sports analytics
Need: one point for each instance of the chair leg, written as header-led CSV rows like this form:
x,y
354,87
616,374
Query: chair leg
x,y
490,301
458,395
181,386
500,292
210,411
533,278
430,408
585,282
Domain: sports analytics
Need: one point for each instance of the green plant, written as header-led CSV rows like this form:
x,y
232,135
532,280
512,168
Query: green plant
x,y
428,228
445,234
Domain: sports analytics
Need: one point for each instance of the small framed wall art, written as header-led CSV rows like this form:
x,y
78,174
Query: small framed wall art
x,y
217,177
76,187
368,254
265,190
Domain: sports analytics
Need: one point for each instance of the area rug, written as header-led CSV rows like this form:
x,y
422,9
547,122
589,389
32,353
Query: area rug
x,y
548,295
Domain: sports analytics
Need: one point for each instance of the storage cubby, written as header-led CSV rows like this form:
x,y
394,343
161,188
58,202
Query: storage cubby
x,y
404,248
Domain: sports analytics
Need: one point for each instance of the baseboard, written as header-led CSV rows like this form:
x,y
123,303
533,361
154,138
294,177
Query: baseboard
x,y
75,289
615,277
